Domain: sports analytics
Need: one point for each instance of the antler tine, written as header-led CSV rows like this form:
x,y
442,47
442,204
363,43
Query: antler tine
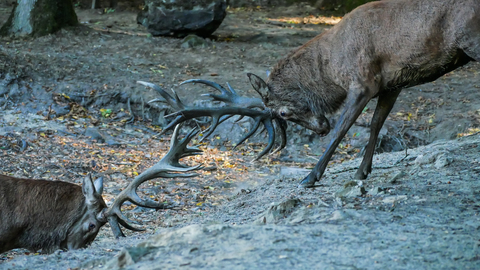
x,y
231,89
282,124
208,131
168,167
271,138
174,101
242,106
229,96
249,134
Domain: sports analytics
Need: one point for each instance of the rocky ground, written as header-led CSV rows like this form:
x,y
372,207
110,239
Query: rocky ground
x,y
70,106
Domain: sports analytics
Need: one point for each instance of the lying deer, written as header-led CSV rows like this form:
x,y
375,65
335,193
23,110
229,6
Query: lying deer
x,y
374,52
50,215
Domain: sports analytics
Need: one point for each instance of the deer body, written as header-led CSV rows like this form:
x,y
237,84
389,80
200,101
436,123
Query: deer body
x,y
375,51
49,215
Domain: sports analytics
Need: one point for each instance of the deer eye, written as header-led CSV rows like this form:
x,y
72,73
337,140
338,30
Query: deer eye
x,y
284,113
91,227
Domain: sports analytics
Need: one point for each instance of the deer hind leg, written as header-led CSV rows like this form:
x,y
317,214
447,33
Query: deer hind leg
x,y
384,106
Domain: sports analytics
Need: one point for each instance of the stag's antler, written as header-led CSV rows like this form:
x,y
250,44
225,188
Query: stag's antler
x,y
168,167
242,106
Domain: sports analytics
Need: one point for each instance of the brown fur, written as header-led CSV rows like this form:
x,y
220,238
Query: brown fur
x,y
39,214
375,51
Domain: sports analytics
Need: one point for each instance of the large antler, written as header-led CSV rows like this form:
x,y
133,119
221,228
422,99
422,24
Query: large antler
x,y
236,105
167,167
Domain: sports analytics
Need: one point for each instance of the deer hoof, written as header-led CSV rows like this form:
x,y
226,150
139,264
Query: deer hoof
x,y
360,174
307,182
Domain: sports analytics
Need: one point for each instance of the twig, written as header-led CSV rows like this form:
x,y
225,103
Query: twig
x,y
132,119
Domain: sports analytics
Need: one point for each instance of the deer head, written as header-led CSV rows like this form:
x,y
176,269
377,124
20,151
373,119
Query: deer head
x,y
291,106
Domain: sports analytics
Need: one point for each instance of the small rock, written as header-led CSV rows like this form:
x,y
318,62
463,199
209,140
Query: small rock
x,y
397,176
110,141
394,199
338,215
351,189
278,211
95,134
60,110
128,256
442,160
439,158
293,171
424,159
194,41
376,191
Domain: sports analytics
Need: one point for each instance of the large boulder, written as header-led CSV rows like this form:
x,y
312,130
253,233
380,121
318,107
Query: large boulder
x,y
180,18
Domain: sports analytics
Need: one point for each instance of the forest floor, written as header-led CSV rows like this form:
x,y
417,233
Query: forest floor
x,y
419,209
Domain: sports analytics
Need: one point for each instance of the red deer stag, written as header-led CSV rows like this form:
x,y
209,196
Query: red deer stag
x,y
374,52
50,215
47,215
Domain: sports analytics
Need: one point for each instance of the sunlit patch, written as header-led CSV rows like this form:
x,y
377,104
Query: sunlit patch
x,y
332,20
469,132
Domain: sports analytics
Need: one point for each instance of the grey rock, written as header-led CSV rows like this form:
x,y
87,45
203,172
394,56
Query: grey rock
x,y
278,211
439,159
397,176
180,18
425,159
128,256
293,171
443,160
194,41
351,189
60,110
395,198
376,191
95,134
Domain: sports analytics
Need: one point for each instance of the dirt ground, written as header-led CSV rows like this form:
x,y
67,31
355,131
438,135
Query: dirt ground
x,y
418,209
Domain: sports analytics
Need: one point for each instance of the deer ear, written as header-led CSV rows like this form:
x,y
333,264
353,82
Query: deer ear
x,y
99,185
259,85
88,189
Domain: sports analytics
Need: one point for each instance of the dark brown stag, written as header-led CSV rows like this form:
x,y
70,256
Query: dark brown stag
x,y
374,52
50,215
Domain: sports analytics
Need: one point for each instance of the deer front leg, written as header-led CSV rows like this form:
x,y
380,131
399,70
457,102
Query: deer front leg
x,y
384,106
353,107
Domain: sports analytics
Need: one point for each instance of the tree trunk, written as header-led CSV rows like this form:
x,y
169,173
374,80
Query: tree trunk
x,y
39,17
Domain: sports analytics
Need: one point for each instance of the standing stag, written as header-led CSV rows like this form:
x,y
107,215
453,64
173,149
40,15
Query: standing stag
x,y
374,52
50,215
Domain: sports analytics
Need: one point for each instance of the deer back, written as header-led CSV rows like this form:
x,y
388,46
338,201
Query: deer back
x,y
48,215
379,47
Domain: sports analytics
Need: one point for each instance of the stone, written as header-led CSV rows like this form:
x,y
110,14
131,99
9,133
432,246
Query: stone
x,y
351,189
194,41
443,160
179,18
293,171
128,256
376,191
394,199
278,211
397,176
95,134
